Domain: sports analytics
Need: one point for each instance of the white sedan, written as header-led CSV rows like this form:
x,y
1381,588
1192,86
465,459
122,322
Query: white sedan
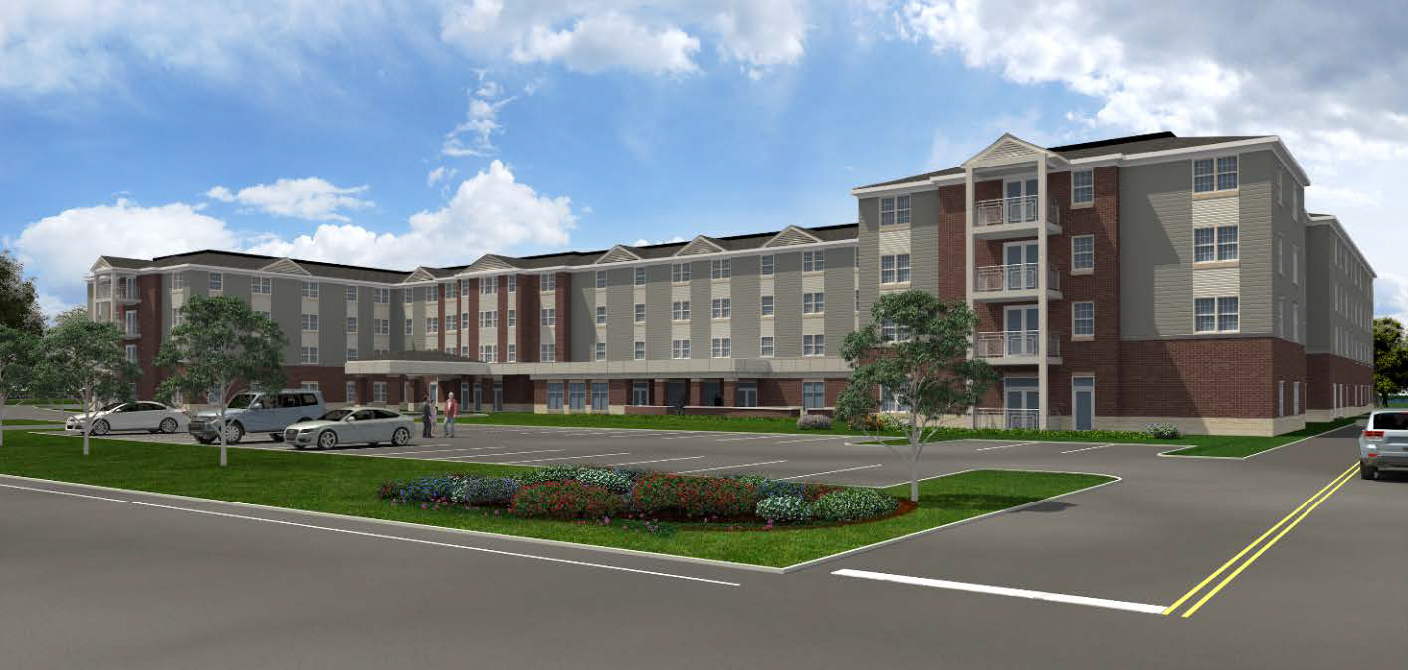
x,y
152,417
371,425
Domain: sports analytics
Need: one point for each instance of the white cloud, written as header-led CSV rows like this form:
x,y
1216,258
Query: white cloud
x,y
480,124
608,41
762,35
310,198
440,174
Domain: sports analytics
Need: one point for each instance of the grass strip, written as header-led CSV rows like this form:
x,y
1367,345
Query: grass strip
x,y
1235,446
348,485
32,422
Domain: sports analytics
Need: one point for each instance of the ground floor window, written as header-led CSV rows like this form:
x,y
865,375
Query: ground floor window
x,y
747,394
577,395
813,395
378,391
889,402
309,386
599,396
351,391
640,393
554,395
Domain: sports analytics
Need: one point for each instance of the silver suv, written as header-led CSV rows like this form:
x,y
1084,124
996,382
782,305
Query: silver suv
x,y
1384,443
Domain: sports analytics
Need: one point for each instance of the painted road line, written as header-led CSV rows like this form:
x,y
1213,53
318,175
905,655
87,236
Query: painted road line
x,y
658,460
809,439
1004,591
1252,559
830,472
1005,446
1193,591
382,536
417,453
729,467
511,453
1072,451
564,458
740,439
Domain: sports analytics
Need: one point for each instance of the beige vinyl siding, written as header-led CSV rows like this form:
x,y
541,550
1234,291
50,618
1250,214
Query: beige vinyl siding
x,y
582,305
332,324
657,312
620,314
699,297
1256,241
840,287
924,248
787,305
867,250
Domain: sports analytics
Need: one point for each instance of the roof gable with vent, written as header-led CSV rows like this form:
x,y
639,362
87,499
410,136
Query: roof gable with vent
x,y
1007,149
700,245
286,266
791,235
618,254
490,263
421,274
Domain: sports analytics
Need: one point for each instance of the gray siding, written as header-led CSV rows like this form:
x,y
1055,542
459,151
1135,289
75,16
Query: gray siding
x,y
237,286
332,324
197,283
620,314
165,315
1321,275
1156,250
699,309
787,304
1255,241
286,306
366,322
840,287
923,242
397,341
746,308
582,305
657,312
418,315
868,251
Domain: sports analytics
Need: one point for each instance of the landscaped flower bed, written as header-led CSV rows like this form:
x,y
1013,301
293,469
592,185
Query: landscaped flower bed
x,y
642,499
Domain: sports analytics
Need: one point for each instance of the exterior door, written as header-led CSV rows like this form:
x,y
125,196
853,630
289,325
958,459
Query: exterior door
x,y
1021,324
1022,401
498,396
1021,200
1020,258
434,388
478,396
640,393
1083,393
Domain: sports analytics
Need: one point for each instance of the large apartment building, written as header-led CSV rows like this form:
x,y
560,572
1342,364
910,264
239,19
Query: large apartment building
x,y
1118,283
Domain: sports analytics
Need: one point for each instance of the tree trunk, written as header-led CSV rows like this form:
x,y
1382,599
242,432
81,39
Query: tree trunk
x,y
3,398
223,460
913,468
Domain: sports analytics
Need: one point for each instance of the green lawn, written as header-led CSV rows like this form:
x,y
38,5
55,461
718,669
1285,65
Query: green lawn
x,y
346,485
1235,446
32,422
42,401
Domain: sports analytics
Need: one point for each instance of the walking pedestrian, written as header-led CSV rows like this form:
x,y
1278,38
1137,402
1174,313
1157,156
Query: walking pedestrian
x,y
452,409
427,416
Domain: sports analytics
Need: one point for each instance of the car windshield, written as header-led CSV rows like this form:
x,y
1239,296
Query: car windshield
x,y
336,415
241,401
110,406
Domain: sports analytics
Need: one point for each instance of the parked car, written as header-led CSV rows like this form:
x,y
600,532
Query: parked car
x,y
372,425
258,412
1384,443
146,415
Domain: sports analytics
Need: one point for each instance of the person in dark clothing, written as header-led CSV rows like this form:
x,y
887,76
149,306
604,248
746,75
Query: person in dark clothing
x,y
427,417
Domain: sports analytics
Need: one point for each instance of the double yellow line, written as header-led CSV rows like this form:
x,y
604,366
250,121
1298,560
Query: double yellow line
x,y
1295,517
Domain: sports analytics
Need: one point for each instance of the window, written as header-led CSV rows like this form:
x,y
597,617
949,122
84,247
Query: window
x,y
1215,244
813,303
813,395
766,270
452,322
1226,243
640,276
887,330
721,308
261,286
512,283
640,350
547,353
765,346
464,351
464,320
432,324
1083,252
352,354
601,351
1215,174
1281,385
640,312
513,317
378,391
813,345
679,349
640,393
576,395
599,396
131,353
1215,314
813,261
351,324
1280,255
601,315
721,347
409,326
721,269
488,285
217,281
1082,187
381,296
178,281
1083,319
894,269
679,272
130,321
407,295
1295,263
512,353
488,353
746,395
309,323
679,310
601,278
767,306
1281,317
554,395
894,211
308,355
547,281
351,294
548,316
309,289
1295,321
1227,313
1295,203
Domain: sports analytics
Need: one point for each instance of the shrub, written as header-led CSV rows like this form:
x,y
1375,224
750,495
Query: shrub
x,y
486,491
771,488
784,509
814,422
853,505
565,500
552,473
615,481
439,488
875,423
1162,431
693,496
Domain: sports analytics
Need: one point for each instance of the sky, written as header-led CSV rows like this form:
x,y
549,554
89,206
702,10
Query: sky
x,y
400,134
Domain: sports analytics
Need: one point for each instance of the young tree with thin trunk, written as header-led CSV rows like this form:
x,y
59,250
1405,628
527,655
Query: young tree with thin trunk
x,y
220,345
18,351
82,358
1390,358
914,349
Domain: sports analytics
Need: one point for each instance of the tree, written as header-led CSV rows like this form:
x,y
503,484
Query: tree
x,y
18,352
1390,358
19,301
915,349
82,358
221,344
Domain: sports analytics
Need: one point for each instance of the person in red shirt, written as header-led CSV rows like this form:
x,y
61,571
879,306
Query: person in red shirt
x,y
452,409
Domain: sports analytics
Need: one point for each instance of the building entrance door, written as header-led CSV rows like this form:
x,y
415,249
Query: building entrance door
x,y
1022,401
1083,393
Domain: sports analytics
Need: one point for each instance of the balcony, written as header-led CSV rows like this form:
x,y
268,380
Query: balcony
x,y
1005,218
996,283
995,417
1015,347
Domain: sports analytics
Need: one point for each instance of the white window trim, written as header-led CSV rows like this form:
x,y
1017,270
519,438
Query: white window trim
x,y
1090,270
1082,338
1091,202
1193,175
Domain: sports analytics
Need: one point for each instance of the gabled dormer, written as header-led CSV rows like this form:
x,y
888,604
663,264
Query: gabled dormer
x,y
490,263
1008,149
700,245
421,274
789,236
618,254
286,266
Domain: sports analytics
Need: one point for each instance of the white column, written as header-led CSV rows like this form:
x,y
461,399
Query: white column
x,y
968,264
1043,374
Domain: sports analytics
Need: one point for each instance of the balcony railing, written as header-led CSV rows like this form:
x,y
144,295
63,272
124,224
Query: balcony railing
x,y
990,417
1018,277
1021,209
1013,344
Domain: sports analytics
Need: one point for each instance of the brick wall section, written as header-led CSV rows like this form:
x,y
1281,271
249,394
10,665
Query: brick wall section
x,y
1326,370
779,392
1288,364
519,389
439,309
1213,377
503,306
149,325
1102,355
529,330
953,211
469,335
563,302
618,392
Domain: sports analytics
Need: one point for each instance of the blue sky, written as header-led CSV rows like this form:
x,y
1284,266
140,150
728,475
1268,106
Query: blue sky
x,y
399,135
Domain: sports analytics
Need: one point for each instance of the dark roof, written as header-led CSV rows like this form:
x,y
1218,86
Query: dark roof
x,y
1161,141
243,261
127,263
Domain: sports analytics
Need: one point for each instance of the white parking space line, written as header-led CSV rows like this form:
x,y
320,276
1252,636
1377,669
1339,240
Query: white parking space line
x,y
729,467
831,472
740,439
1005,446
433,451
564,458
511,453
658,460
809,439
1003,591
1102,446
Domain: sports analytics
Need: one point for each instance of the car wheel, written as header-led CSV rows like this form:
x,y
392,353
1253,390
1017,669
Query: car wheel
x,y
234,433
99,427
168,425
298,446
401,437
205,440
1368,472
277,437
327,439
